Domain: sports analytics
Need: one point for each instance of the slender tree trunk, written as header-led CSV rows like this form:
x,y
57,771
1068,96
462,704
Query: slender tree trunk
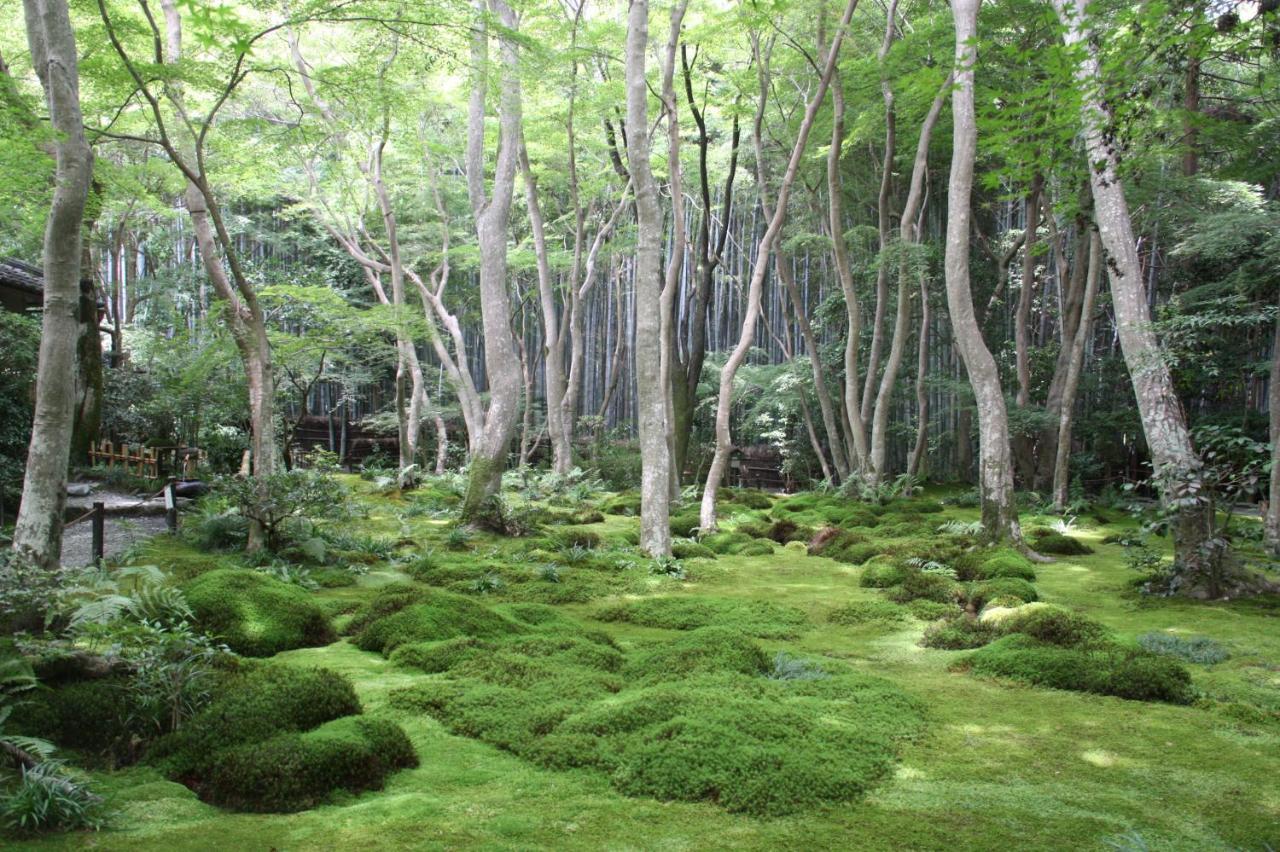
x,y
915,462
1164,424
655,456
902,321
552,348
724,403
1273,406
492,220
826,405
38,533
995,465
1062,457
1024,442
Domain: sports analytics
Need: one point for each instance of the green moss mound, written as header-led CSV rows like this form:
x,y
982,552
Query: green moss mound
x,y
865,612
980,594
758,547
882,574
726,542
92,715
919,585
707,649
251,707
256,615
1055,625
931,610
988,564
754,618
626,503
295,771
687,549
700,721
748,498
685,524
433,615
959,632
1061,545
1112,670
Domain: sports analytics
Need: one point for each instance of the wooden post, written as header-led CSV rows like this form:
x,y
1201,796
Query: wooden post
x,y
99,529
171,505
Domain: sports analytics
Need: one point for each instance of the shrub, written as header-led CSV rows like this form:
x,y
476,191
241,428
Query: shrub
x,y
1055,626
749,498
755,618
626,503
1111,670
433,616
986,564
758,547
707,649
863,612
1062,545
294,771
93,715
958,633
685,524
47,799
1197,649
280,499
980,594
687,549
931,610
252,707
254,614
567,538
931,587
881,574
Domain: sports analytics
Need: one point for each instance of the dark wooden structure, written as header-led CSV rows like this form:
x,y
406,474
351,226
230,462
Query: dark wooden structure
x,y
21,286
758,466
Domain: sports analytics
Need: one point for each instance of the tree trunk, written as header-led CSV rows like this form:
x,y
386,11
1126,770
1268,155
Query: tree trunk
x,y
655,457
552,348
1273,405
1164,423
492,220
1062,456
38,533
724,402
995,465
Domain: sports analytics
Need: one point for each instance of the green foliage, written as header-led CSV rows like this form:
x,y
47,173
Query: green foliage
x,y
688,549
981,593
1061,545
988,564
1055,626
926,610
254,614
1197,649
958,633
428,615
19,348
726,542
881,574
251,707
45,799
864,612
280,500
627,503
685,524
755,618
703,650
759,547
1109,670
922,586
294,771
567,538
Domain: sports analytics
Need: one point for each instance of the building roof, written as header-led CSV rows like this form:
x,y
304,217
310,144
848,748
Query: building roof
x,y
21,276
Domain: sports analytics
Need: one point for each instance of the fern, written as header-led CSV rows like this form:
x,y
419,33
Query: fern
x,y
961,528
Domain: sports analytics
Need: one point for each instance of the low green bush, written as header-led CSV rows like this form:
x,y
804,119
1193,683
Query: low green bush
x,y
981,593
627,503
685,523
254,614
931,610
988,564
688,549
1062,545
749,498
957,633
1111,670
677,612
725,542
707,649
251,707
864,612
92,715
294,771
1055,625
918,585
881,574
757,547
1196,649
433,616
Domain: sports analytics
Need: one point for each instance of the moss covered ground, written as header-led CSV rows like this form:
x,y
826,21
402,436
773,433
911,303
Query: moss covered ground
x,y
982,763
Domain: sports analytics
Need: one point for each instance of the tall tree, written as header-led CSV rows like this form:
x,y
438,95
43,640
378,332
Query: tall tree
x,y
1164,423
724,401
655,455
52,41
492,214
995,462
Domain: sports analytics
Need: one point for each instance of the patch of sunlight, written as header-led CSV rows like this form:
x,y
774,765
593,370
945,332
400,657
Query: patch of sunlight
x,y
908,773
973,730
1098,757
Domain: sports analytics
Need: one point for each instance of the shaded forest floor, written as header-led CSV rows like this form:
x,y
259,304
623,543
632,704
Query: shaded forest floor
x,y
993,763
